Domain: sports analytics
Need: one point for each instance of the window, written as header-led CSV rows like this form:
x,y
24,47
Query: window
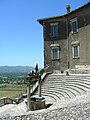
x,y
74,25
54,29
55,53
75,51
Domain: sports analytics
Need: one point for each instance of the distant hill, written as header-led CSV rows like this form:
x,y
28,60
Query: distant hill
x,y
15,69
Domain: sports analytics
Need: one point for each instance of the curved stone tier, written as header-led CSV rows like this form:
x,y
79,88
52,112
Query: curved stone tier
x,y
61,88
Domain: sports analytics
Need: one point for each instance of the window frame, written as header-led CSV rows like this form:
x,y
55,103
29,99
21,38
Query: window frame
x,y
73,51
53,56
74,25
54,31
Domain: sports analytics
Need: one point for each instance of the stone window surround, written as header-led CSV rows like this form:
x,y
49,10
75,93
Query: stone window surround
x,y
73,20
53,46
74,44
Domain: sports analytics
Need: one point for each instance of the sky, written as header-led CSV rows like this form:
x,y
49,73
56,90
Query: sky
x,y
21,36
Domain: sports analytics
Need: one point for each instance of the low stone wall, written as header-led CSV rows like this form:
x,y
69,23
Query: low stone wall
x,y
82,66
79,71
5,100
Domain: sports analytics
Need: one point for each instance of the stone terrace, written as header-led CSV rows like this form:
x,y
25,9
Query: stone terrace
x,y
61,88
69,96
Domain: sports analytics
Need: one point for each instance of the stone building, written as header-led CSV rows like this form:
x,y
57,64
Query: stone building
x,y
67,39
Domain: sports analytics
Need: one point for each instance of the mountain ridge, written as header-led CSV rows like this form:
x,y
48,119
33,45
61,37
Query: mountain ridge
x,y
15,69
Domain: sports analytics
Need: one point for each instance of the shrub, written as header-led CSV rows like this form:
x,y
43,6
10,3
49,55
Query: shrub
x,y
41,71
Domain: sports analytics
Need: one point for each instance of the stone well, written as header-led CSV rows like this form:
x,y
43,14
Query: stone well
x,y
37,103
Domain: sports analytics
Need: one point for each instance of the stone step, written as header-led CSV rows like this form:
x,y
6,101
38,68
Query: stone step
x,y
50,99
66,79
76,87
83,84
65,82
65,90
60,92
56,97
59,88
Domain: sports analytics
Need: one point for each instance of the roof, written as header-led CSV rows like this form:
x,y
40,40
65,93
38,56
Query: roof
x,y
56,17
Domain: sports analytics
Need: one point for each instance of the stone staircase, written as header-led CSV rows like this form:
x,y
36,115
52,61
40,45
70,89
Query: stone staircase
x,y
70,96
58,88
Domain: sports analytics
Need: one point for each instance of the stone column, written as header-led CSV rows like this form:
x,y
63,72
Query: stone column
x,y
39,86
28,96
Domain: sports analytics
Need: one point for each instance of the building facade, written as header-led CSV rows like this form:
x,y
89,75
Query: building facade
x,y
67,39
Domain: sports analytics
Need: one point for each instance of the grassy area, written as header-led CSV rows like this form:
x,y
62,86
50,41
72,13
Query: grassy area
x,y
12,91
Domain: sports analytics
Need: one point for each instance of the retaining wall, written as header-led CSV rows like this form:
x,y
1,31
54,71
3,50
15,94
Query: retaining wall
x,y
5,100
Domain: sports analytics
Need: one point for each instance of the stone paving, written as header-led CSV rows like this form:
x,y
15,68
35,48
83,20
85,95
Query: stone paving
x,y
13,110
78,112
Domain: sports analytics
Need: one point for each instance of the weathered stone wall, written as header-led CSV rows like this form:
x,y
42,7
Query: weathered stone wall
x,y
61,63
82,36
